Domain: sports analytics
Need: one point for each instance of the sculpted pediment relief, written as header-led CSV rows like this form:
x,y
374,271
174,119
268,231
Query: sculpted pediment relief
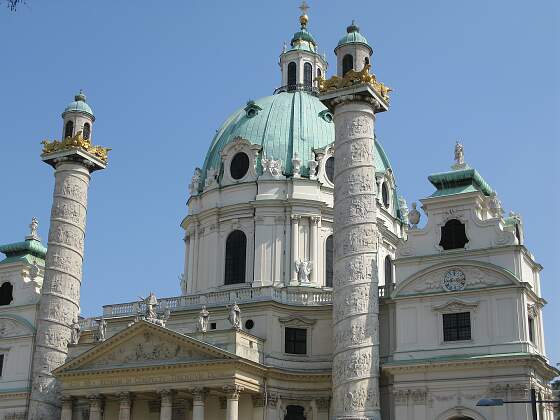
x,y
454,278
145,344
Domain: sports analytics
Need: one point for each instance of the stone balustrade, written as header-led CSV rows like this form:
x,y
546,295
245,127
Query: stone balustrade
x,y
286,295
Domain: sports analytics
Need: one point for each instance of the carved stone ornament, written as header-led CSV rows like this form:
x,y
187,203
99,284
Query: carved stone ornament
x,y
296,166
271,168
312,164
414,217
203,317
11,328
454,280
150,315
303,269
100,334
78,142
195,181
211,178
234,317
76,332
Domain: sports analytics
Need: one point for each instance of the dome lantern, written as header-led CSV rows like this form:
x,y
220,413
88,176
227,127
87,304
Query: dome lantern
x,y
301,64
78,117
353,51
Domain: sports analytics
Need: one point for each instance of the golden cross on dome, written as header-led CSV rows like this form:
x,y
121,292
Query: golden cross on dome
x,y
304,7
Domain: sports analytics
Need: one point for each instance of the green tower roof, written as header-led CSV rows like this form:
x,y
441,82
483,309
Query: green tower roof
x,y
459,181
79,104
353,36
29,250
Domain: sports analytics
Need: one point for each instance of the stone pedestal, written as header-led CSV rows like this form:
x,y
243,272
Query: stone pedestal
x,y
60,295
356,304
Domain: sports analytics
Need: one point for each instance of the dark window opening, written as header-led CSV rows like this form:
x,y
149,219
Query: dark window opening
x,y
292,74
1,364
457,327
236,245
87,131
453,235
347,63
295,412
366,60
388,270
319,74
531,321
249,324
385,194
307,74
6,293
296,340
239,165
329,261
68,129
518,234
329,169
212,325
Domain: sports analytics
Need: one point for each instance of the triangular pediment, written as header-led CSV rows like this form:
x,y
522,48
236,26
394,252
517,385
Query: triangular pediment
x,y
145,344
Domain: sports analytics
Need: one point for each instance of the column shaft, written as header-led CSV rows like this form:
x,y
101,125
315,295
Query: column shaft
x,y
199,402
313,240
232,408
295,247
355,306
95,410
66,413
60,294
124,406
166,410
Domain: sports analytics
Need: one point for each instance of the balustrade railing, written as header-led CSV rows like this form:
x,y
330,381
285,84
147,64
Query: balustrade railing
x,y
287,295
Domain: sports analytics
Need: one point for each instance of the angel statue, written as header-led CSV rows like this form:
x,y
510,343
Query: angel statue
x,y
76,331
303,269
235,316
203,317
459,156
101,329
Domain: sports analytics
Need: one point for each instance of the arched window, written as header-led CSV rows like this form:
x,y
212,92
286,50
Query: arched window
x,y
319,74
295,412
6,293
347,63
453,235
385,195
68,129
329,261
292,74
236,248
87,131
366,60
307,74
388,270
329,168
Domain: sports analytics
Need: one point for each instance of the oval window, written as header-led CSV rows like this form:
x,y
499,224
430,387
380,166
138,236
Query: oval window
x,y
329,169
239,165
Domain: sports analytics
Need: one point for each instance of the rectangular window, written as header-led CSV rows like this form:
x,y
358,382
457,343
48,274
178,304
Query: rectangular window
x,y
457,327
531,322
1,364
296,340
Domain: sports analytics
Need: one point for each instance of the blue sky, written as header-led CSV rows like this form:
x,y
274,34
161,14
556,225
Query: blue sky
x,y
162,77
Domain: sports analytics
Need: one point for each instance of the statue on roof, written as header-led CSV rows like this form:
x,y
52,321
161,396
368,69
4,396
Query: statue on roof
x,y
150,314
459,156
203,317
33,230
235,316
101,329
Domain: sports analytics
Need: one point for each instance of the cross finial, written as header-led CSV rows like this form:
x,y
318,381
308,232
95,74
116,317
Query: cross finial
x,y
304,7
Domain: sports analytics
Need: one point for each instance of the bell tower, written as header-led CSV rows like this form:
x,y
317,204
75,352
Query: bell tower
x,y
73,158
353,51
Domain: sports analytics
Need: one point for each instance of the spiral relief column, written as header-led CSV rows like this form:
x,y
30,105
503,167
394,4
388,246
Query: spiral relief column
x,y
73,159
355,371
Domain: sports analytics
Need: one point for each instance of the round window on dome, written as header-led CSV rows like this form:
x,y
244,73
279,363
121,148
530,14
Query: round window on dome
x,y
385,195
329,169
249,324
239,165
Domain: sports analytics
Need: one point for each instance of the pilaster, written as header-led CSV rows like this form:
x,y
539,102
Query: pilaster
x,y
295,247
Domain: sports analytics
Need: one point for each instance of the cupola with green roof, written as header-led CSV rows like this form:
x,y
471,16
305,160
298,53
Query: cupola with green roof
x,y
29,251
78,116
353,51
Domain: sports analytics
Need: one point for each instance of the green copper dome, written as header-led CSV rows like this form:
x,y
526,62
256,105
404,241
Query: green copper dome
x,y
353,36
286,123
79,104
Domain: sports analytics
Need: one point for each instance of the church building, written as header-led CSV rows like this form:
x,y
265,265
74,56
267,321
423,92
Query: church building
x,y
310,291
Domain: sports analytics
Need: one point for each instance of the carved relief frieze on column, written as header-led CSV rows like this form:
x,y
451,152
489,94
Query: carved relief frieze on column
x,y
356,302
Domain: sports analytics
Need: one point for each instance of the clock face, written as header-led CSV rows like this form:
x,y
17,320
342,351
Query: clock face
x,y
454,280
